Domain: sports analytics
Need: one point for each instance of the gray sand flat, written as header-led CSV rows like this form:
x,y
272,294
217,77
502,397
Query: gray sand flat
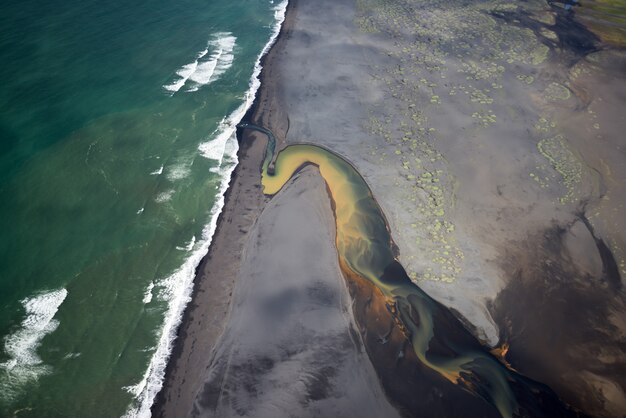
x,y
290,348
328,87
484,142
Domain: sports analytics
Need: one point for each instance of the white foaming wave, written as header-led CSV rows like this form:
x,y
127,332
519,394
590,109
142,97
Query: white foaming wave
x,y
70,356
202,72
24,364
189,246
215,148
164,196
178,172
202,53
192,242
184,73
176,290
220,61
147,297
178,287
230,151
157,172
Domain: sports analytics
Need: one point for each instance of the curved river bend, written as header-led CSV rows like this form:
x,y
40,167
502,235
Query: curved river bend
x,y
366,250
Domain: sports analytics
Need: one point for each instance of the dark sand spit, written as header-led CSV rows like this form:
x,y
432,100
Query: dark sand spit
x,y
205,317
491,134
291,348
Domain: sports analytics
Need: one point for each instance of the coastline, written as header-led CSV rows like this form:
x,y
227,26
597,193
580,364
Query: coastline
x,y
320,93
243,203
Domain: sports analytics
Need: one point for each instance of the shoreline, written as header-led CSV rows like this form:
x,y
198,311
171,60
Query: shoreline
x,y
320,91
213,297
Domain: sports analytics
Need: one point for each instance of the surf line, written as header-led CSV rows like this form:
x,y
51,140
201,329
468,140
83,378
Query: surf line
x,y
366,249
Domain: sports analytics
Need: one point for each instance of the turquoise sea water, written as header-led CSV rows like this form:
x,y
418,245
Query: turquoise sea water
x,y
116,141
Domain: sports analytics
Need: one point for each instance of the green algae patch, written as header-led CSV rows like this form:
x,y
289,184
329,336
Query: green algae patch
x,y
556,92
565,162
545,17
539,54
548,34
527,79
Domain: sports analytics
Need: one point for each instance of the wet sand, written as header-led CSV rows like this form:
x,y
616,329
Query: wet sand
x,y
490,134
206,315
291,348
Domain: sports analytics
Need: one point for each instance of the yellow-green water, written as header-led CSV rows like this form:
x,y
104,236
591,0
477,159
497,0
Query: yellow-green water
x,y
365,247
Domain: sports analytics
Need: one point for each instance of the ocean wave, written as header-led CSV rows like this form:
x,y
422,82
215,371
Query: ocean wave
x,y
215,148
179,172
164,196
176,291
206,69
70,356
177,288
189,246
147,296
24,364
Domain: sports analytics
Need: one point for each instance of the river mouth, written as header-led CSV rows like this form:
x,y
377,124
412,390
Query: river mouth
x,y
423,333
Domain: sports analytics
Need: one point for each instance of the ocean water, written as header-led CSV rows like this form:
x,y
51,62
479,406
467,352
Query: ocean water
x,y
116,144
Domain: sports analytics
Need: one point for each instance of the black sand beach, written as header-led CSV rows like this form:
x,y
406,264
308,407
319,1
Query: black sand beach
x,y
491,135
206,316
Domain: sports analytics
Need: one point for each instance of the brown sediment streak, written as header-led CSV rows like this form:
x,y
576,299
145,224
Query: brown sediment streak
x,y
365,250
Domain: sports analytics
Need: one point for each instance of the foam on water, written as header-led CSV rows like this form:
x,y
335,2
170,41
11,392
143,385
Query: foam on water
x,y
221,60
176,289
183,74
70,356
206,69
179,172
192,242
147,297
24,364
189,246
215,148
164,196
